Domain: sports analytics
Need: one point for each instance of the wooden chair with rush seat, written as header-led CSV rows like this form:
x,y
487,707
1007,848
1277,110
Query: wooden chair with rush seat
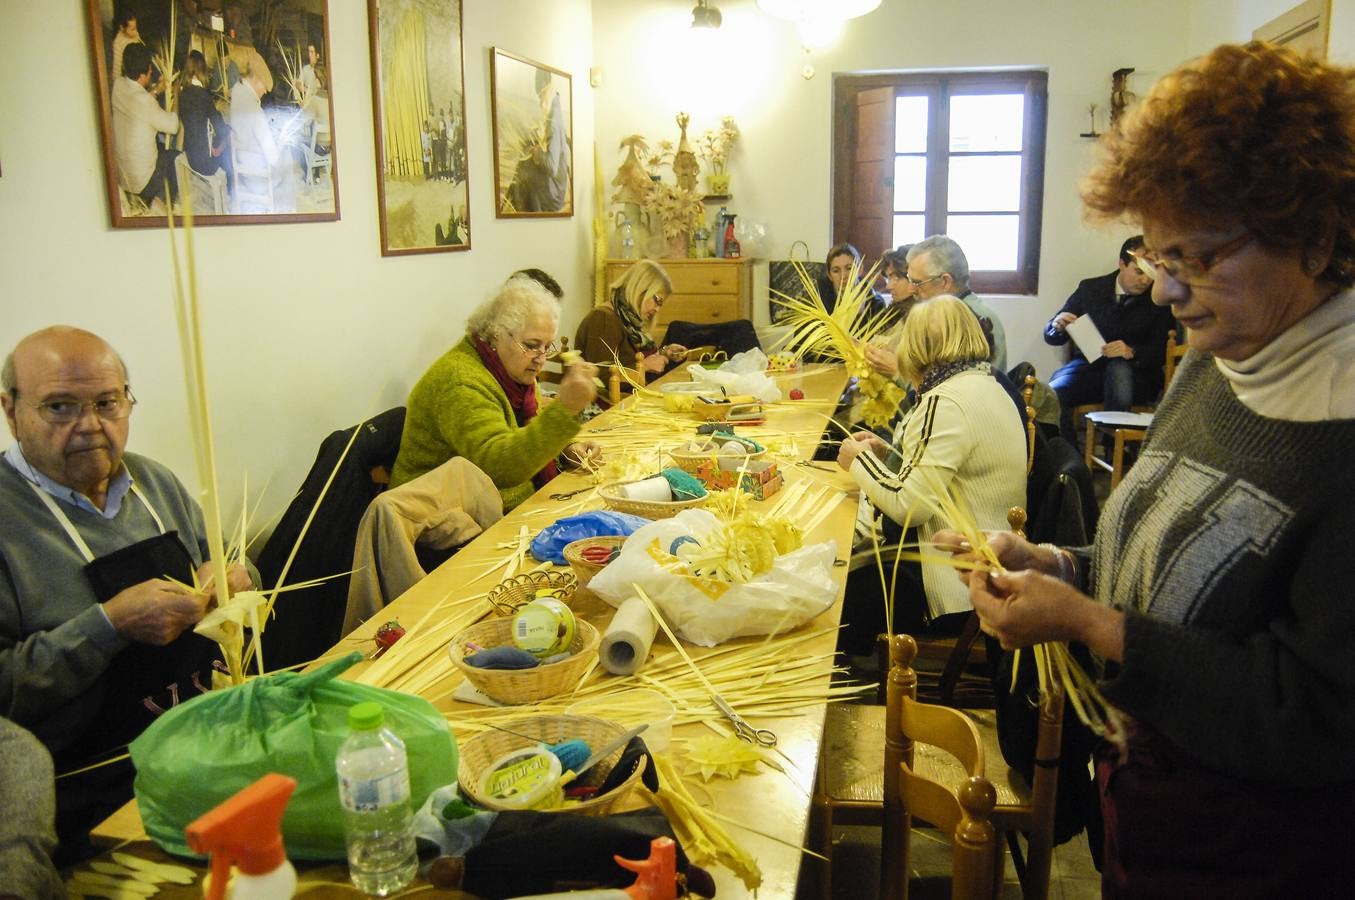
x,y
1124,429
852,784
972,802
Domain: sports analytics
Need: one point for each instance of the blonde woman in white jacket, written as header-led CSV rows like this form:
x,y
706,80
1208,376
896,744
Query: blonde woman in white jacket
x,y
963,437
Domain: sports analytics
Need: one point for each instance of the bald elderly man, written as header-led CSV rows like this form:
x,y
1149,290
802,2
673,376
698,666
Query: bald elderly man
x,y
96,620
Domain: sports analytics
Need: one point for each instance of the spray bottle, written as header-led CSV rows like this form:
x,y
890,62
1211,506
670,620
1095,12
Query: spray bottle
x,y
245,832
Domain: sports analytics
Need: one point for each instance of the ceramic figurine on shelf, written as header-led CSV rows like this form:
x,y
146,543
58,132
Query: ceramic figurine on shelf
x,y
715,146
685,166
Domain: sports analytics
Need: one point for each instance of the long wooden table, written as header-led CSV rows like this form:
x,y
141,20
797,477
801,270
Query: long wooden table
x,y
773,802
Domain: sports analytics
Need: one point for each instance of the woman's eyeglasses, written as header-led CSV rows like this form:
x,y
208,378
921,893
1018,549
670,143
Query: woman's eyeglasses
x,y
1189,268
538,349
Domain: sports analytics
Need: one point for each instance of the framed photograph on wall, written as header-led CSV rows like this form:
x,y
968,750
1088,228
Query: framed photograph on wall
x,y
419,100
533,110
231,103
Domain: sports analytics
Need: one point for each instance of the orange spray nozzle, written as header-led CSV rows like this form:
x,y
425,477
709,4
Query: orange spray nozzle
x,y
656,877
244,831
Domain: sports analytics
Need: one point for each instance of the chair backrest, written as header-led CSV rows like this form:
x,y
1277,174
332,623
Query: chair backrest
x,y
1028,395
307,622
731,337
1059,495
962,809
621,378
1175,350
552,370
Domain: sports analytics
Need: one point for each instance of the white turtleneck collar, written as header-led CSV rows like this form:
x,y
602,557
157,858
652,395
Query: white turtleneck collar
x,y
1307,374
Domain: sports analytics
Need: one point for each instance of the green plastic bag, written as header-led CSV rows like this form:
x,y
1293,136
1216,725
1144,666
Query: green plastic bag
x,y
201,752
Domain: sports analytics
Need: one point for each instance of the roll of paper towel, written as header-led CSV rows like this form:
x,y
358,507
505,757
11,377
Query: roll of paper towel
x,y
625,646
654,489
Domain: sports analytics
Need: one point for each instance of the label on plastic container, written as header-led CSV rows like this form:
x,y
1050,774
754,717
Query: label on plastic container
x,y
368,794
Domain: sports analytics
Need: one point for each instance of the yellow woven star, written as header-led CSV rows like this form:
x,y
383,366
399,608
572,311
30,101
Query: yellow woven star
x,y
725,756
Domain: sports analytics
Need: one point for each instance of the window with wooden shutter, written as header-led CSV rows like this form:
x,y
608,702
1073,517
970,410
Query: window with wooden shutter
x,y
957,153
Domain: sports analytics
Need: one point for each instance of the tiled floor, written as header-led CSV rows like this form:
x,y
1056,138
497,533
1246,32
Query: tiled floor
x,y
856,868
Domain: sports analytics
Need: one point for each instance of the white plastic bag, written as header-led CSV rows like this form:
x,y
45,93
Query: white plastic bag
x,y
707,612
744,373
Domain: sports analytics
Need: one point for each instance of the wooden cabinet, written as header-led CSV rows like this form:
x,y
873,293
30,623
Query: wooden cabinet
x,y
704,290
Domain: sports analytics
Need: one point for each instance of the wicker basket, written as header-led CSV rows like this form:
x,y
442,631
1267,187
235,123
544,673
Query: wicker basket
x,y
478,753
512,594
515,686
690,462
585,569
650,509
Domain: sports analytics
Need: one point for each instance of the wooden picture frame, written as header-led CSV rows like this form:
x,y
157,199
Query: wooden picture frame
x,y
533,107
262,157
419,104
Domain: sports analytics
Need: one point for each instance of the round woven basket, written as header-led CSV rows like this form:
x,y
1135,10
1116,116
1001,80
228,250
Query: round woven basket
x,y
612,498
478,753
585,569
690,462
516,686
511,594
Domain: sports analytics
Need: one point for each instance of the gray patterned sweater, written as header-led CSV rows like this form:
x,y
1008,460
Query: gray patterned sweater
x,y
1229,546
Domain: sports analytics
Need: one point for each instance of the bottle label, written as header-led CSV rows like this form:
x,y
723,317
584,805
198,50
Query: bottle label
x,y
367,794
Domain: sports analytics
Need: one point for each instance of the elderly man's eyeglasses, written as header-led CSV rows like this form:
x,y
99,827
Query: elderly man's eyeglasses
x,y
1189,268
109,407
538,349
919,282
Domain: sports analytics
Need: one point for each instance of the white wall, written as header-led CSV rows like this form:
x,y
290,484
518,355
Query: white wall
x,y
310,329
782,169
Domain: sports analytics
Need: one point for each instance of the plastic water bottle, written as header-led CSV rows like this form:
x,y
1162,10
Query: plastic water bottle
x,y
374,791
627,240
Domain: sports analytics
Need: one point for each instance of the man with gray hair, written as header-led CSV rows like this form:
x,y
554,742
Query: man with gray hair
x,y
98,559
938,266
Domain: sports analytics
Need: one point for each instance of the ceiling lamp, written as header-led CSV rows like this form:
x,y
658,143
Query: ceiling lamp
x,y
704,16
817,10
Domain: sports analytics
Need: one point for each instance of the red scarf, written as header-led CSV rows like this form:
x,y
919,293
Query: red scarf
x,y
521,397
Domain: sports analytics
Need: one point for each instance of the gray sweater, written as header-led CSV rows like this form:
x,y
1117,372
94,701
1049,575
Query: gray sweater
x,y
54,640
1228,544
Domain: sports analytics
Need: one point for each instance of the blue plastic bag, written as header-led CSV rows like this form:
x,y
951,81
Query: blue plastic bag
x,y
549,544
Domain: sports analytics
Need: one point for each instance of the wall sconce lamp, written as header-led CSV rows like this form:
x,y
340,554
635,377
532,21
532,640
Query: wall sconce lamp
x,y
705,16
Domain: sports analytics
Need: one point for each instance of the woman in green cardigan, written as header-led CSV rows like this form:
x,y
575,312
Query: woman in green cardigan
x,y
479,399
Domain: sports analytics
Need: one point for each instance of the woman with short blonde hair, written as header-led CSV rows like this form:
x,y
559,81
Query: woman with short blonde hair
x,y
946,333
962,437
616,329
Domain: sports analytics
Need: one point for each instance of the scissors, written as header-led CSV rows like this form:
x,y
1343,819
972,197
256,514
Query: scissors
x,y
567,494
745,732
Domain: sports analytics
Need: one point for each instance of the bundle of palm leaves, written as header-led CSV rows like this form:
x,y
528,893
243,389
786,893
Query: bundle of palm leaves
x,y
842,333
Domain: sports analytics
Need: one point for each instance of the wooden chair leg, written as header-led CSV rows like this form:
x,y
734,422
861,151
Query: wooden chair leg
x,y
1117,460
1088,450
822,809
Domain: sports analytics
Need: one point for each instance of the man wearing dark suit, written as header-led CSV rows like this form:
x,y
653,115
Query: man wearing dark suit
x,y
1135,332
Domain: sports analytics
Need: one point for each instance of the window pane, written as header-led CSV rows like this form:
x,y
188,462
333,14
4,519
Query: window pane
x,y
989,242
910,125
988,183
909,229
910,183
986,121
